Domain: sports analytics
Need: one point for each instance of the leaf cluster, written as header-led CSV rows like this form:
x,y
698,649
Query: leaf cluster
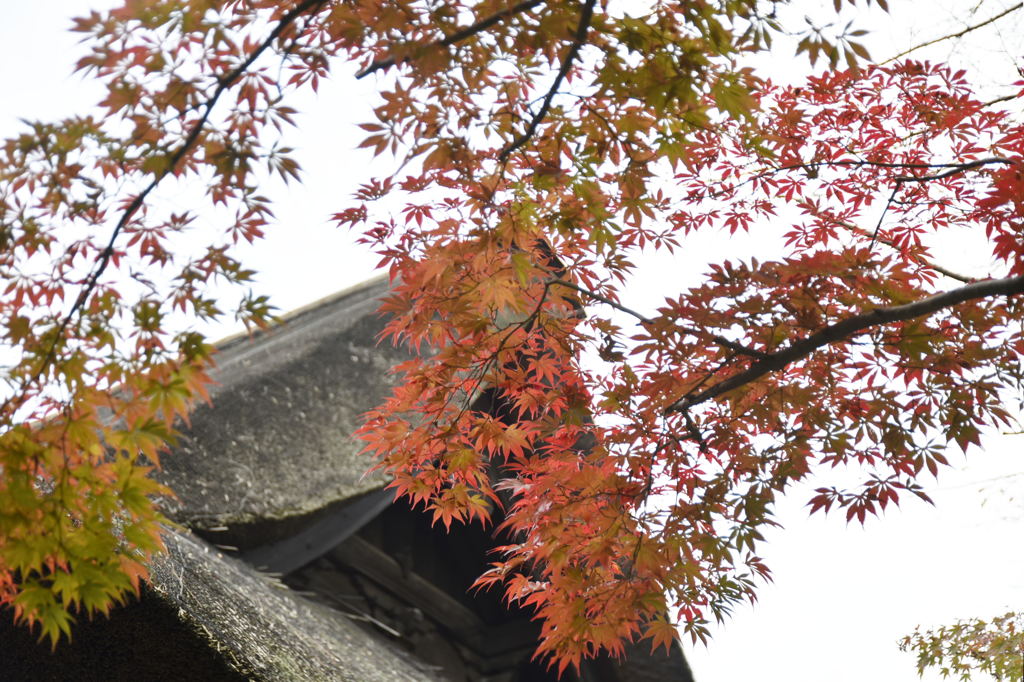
x,y
994,647
540,149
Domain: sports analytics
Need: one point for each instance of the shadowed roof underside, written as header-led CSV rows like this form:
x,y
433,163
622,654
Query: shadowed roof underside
x,y
266,631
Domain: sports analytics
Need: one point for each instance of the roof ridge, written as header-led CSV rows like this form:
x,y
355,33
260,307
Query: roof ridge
x,y
285,318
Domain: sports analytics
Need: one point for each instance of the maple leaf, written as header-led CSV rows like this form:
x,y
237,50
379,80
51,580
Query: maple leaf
x,y
574,139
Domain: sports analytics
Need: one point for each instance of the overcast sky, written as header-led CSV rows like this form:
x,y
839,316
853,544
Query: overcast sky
x,y
842,596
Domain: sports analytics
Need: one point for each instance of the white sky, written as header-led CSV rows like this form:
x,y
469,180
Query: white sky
x,y
842,595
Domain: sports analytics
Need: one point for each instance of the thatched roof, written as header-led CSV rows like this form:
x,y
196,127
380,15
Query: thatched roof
x,y
273,453
266,631
276,441
208,617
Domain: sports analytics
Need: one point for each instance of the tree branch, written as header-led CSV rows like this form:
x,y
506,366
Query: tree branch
x,y
999,100
961,34
603,299
458,36
923,261
720,340
881,217
581,35
954,169
223,84
849,327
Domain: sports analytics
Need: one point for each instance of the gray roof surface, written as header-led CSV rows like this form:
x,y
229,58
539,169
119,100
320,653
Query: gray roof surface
x,y
275,444
277,440
265,630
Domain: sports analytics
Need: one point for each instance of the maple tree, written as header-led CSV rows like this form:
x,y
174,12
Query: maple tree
x,y
540,148
994,647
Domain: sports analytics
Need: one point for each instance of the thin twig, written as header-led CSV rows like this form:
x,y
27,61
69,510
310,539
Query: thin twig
x,y
581,35
953,169
458,36
952,36
843,330
858,163
999,100
603,299
885,209
923,261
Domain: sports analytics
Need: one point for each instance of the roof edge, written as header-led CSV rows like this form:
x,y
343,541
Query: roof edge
x,y
284,319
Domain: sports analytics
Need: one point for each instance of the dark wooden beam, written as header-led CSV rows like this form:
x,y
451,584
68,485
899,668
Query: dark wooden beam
x,y
513,638
320,537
